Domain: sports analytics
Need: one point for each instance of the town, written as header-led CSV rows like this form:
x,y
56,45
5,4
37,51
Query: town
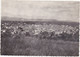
x,y
47,30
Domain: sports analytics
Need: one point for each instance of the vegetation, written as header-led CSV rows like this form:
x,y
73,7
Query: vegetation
x,y
45,43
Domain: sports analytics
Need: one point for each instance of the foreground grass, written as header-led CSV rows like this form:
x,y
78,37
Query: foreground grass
x,y
21,45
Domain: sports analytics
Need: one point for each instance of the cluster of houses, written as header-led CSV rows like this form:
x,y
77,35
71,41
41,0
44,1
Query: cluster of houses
x,y
37,28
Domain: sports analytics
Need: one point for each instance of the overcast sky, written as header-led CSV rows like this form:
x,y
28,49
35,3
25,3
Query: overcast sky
x,y
64,11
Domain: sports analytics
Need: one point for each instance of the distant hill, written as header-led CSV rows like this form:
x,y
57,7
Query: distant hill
x,y
4,18
38,21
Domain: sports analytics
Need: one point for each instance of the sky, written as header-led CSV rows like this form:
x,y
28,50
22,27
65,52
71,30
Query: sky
x,y
56,10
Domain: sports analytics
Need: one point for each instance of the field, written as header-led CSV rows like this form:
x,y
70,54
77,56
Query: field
x,y
35,46
24,41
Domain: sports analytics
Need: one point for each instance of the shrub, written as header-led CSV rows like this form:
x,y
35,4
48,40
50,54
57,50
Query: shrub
x,y
43,35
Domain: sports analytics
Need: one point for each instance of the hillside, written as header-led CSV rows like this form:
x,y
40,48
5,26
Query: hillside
x,y
38,21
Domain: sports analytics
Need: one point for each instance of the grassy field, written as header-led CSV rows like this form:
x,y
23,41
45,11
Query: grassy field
x,y
29,45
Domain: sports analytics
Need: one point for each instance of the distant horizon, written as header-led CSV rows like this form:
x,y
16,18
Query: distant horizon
x,y
25,19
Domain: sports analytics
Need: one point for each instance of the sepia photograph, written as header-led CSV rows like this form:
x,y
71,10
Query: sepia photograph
x,y
39,28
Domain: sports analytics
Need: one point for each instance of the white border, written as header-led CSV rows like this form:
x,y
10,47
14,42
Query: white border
x,y
48,0
39,0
